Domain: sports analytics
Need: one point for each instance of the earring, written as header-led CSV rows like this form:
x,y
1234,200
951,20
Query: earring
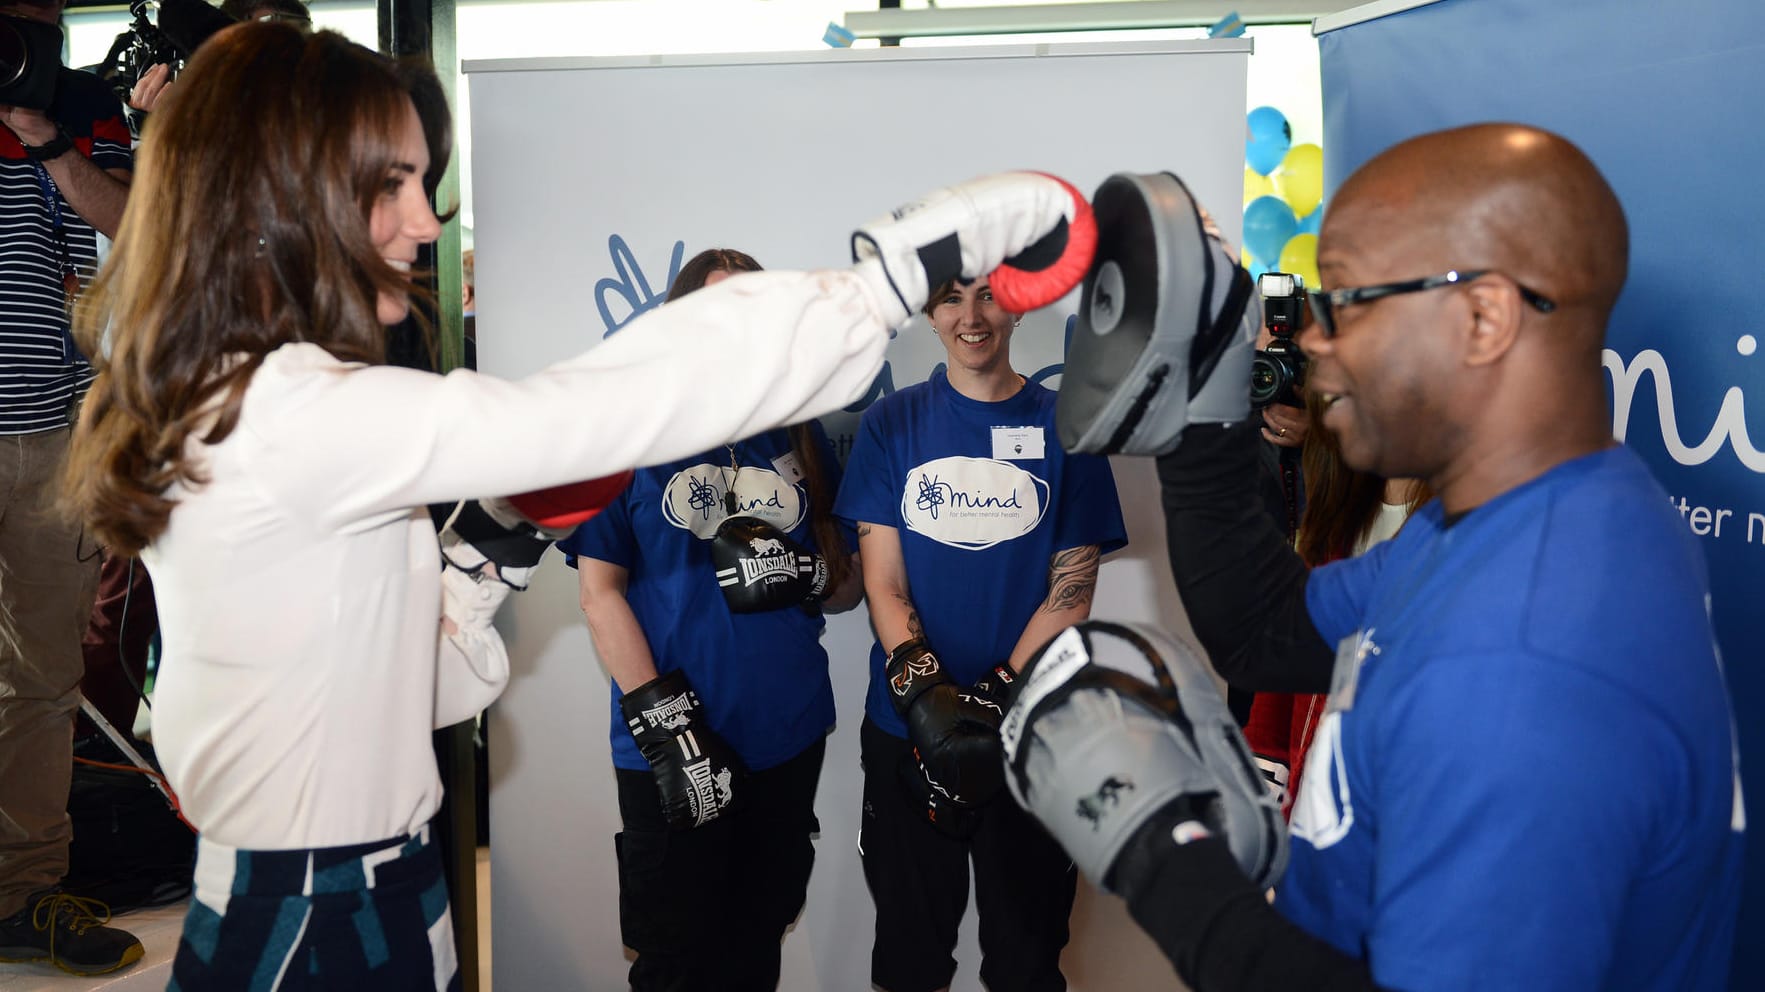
x,y
1017,323
262,247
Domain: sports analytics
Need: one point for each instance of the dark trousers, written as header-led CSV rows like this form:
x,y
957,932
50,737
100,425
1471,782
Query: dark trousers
x,y
1023,884
706,909
363,918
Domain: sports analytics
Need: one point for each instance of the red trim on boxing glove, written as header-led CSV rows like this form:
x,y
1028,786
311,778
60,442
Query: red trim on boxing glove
x,y
1049,269
563,507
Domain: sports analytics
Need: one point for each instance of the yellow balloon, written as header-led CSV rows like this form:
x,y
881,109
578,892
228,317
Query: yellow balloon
x,y
1256,184
1300,257
1301,178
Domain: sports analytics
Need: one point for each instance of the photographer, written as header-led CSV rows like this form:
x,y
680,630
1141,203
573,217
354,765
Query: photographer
x,y
77,142
1278,377
64,172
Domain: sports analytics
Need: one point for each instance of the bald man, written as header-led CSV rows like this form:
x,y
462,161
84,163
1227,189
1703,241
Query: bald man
x,y
1526,777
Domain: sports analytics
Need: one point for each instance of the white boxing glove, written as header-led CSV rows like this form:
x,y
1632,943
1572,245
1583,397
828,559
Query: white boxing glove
x,y
1037,223
490,539
472,665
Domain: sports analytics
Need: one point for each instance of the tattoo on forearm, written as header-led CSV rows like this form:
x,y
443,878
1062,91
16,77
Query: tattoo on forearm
x,y
913,626
1072,579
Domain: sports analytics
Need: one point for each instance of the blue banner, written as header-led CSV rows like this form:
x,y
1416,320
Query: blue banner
x,y
1666,99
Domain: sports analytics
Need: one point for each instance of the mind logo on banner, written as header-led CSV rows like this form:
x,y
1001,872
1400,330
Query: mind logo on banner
x,y
972,503
1731,419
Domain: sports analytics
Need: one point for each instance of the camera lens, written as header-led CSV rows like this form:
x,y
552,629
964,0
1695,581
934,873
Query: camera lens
x,y
1277,374
15,55
1267,380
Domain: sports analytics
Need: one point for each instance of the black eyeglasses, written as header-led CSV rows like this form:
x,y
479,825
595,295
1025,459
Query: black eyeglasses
x,y
1324,304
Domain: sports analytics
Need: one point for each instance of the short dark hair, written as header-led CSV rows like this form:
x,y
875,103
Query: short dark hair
x,y
697,269
937,295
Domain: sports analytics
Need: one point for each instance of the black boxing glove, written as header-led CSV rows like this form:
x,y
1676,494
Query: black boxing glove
x,y
760,568
949,817
998,685
954,732
696,770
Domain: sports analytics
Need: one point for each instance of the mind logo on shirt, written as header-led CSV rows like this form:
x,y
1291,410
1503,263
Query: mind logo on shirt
x,y
694,499
972,503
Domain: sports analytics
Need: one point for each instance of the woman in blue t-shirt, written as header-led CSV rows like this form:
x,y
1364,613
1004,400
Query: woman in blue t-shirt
x,y
981,540
704,586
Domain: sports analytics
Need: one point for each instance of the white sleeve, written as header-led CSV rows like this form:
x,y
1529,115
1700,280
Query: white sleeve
x,y
338,444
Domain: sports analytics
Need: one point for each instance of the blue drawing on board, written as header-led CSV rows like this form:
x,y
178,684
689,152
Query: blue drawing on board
x,y
631,285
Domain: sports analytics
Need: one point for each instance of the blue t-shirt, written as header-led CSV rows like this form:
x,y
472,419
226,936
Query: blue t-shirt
x,y
762,677
982,496
1532,785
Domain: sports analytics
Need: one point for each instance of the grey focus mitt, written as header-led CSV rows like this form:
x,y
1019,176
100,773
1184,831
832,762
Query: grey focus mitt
x,y
1114,726
1166,328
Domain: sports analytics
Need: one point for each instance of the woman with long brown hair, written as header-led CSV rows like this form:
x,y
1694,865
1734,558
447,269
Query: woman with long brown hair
x,y
707,889
245,438
1346,512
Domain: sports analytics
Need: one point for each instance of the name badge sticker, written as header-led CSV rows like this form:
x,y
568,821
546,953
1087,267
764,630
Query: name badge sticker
x,y
1018,443
786,466
1352,652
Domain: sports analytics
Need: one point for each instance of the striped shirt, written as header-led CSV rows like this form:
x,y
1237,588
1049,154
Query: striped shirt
x,y
40,372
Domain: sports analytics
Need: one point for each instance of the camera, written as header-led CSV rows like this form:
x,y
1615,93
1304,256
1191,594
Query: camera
x,y
174,32
143,46
1277,373
30,59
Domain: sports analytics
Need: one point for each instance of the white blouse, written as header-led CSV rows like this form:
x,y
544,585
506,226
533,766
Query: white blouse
x,y
299,590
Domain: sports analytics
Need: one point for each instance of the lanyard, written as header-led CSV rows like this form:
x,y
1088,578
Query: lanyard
x,y
70,279
731,505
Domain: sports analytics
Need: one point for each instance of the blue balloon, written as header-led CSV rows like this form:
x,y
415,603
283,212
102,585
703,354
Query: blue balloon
x,y
1267,122
1310,223
1267,139
1258,268
1268,224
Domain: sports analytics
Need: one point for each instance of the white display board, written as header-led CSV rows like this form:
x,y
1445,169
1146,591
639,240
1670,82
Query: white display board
x,y
593,179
